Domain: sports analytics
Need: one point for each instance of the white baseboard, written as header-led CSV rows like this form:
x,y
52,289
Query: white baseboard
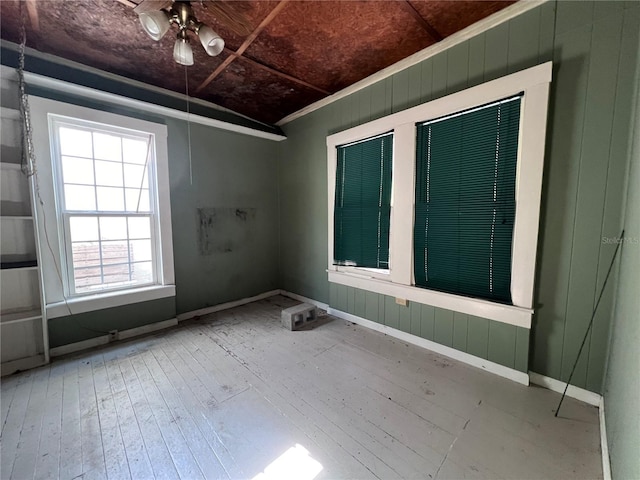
x,y
472,360
295,296
104,339
604,445
226,306
557,386
14,366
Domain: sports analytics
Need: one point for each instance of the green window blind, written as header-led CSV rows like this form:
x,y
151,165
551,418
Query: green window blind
x,y
363,203
465,201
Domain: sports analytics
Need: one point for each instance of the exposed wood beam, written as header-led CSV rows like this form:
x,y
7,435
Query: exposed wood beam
x,y
426,26
248,41
269,69
32,10
128,3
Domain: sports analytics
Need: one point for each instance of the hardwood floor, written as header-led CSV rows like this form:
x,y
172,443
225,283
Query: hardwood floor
x,y
230,394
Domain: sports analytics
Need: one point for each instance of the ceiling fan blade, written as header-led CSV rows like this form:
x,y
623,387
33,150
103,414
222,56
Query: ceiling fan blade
x,y
146,6
230,16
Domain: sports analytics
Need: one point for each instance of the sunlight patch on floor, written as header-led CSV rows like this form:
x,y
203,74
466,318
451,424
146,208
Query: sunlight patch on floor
x,y
294,464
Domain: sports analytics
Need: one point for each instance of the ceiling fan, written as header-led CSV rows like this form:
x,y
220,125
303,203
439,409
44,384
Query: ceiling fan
x,y
157,16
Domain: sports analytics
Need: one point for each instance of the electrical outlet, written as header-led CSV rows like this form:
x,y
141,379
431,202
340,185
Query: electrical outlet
x,y
402,301
113,335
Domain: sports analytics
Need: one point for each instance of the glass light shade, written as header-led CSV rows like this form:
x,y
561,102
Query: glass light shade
x,y
212,42
155,23
182,52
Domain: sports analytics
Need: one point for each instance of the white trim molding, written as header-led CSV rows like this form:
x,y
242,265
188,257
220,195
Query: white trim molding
x,y
398,281
300,298
604,445
463,35
554,385
90,303
105,339
226,306
113,99
495,368
14,366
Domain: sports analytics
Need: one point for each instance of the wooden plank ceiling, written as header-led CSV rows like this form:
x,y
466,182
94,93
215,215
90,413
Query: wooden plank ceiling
x,y
289,54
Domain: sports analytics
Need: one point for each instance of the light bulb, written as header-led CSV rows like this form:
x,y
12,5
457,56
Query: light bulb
x,y
155,23
212,42
182,52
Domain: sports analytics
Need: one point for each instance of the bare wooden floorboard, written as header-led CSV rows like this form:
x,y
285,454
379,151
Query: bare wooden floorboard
x,y
357,408
70,461
227,394
159,456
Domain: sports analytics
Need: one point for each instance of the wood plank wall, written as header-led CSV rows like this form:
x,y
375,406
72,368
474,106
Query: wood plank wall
x,y
593,46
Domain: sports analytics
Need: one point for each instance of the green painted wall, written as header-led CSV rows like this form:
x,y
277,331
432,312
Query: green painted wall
x,y
622,381
593,47
229,171
75,328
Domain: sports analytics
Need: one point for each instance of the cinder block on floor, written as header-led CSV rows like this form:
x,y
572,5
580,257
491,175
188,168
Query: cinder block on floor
x,y
299,316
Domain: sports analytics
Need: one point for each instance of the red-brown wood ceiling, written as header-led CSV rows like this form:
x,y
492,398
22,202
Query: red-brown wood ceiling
x,y
298,51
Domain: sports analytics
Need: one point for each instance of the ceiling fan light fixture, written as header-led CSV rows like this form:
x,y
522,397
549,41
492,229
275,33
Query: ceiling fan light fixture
x,y
182,52
212,42
155,23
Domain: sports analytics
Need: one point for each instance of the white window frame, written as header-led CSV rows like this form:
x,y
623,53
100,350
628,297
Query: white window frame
x,y
399,282
50,220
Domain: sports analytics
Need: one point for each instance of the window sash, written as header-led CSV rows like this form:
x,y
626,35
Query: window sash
x,y
465,201
66,214
362,207
68,252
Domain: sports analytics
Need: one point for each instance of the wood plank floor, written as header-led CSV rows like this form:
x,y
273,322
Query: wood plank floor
x,y
232,394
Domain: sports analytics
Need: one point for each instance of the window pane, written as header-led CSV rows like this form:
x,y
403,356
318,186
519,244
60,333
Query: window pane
x,y
140,250
83,229
110,199
108,173
465,201
363,203
79,198
86,254
139,227
75,142
133,176
137,200
142,272
77,170
134,151
116,274
107,147
113,228
115,252
87,276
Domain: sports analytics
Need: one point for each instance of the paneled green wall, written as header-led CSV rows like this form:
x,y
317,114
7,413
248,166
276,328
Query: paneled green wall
x,y
593,46
498,342
622,382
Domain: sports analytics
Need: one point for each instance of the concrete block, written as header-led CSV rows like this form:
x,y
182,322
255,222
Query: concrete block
x,y
299,316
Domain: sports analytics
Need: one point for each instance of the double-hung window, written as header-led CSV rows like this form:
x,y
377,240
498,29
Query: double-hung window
x,y
105,181
465,201
363,203
103,215
465,190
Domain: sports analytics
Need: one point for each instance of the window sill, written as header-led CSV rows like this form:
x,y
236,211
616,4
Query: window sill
x,y
101,301
512,315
